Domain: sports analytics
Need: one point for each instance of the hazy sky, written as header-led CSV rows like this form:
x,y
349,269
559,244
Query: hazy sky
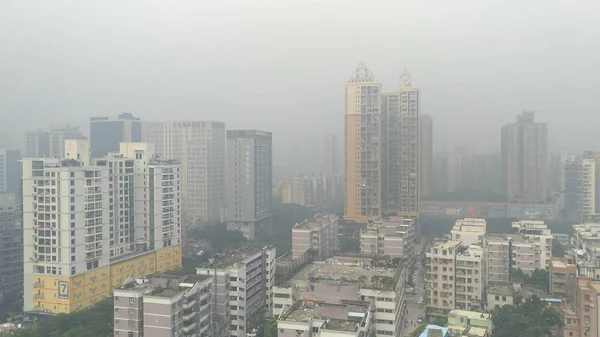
x,y
281,65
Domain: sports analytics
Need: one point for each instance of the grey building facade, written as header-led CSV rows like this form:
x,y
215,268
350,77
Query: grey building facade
x,y
242,288
49,143
165,306
200,148
11,249
249,181
525,160
107,132
10,171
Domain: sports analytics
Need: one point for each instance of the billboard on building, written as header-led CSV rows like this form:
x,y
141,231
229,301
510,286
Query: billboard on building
x,y
432,210
471,211
453,211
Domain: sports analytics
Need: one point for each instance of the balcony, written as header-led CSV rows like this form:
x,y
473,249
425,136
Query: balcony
x,y
189,328
189,316
189,304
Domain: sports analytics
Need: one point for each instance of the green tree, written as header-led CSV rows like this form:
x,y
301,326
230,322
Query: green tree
x,y
558,250
96,321
219,237
528,318
539,278
271,328
285,216
418,330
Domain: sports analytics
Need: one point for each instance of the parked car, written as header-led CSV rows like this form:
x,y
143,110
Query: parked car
x,y
420,319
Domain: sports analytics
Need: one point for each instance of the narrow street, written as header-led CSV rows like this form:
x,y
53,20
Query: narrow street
x,y
414,308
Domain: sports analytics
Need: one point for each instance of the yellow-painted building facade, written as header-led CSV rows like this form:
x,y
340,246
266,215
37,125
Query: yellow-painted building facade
x,y
60,294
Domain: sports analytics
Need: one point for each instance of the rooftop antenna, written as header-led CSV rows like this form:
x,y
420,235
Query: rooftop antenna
x,y
405,77
363,74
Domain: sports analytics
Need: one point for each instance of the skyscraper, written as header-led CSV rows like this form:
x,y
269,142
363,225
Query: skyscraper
x,y
382,148
400,134
49,143
425,156
525,160
107,132
80,240
580,187
249,181
363,166
10,171
11,249
200,148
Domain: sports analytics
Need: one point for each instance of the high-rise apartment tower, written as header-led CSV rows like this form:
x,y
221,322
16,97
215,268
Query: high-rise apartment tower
x,y
200,148
88,228
382,152
249,181
525,160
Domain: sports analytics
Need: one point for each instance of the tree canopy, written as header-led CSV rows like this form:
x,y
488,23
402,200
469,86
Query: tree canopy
x,y
271,328
96,321
528,318
539,278
285,216
219,237
418,330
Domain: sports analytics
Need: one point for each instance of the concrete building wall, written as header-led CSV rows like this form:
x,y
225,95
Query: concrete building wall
x,y
107,132
199,146
362,147
249,181
525,160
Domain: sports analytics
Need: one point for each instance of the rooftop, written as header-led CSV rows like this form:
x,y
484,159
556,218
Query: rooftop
x,y
473,251
558,264
195,278
469,314
514,237
445,244
470,225
167,293
425,333
347,319
333,272
476,332
529,290
341,325
317,222
392,225
233,257
501,289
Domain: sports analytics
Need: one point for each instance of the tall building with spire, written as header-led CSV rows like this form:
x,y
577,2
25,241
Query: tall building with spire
x,y
381,148
363,163
400,137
